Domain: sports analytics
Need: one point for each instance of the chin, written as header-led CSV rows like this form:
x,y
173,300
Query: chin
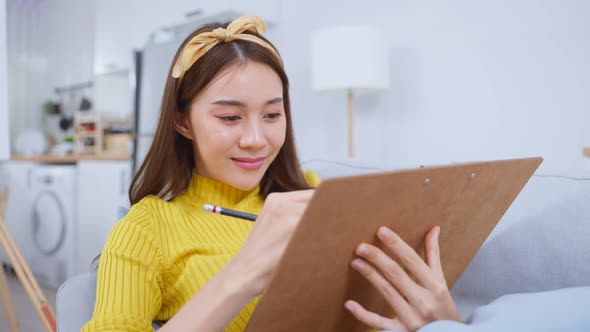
x,y
246,181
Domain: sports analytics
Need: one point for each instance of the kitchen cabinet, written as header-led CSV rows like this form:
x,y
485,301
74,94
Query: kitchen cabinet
x,y
19,209
99,200
122,26
102,200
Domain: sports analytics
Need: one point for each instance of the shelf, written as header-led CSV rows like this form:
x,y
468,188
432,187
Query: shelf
x,y
86,134
72,158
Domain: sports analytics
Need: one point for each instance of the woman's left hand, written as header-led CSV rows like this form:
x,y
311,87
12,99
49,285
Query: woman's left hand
x,y
416,301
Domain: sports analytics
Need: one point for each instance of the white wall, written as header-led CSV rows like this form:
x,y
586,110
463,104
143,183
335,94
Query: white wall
x,y
471,80
4,131
50,44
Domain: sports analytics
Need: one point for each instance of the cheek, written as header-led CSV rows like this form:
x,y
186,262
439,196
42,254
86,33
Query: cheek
x,y
276,136
213,139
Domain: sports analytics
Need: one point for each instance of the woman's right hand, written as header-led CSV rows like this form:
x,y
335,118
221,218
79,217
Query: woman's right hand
x,y
214,306
270,234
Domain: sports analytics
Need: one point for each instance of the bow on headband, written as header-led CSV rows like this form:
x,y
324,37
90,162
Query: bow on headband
x,y
203,42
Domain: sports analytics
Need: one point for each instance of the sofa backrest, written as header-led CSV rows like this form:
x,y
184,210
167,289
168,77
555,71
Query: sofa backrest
x,y
542,243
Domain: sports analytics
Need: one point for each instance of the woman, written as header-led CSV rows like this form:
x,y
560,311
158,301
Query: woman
x,y
225,138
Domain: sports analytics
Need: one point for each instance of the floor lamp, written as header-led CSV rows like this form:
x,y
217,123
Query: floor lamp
x,y
352,59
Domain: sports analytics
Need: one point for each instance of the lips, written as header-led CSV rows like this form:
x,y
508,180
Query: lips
x,y
249,163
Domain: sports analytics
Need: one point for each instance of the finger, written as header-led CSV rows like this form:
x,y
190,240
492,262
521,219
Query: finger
x,y
432,250
401,307
391,271
296,207
301,195
287,202
408,257
372,319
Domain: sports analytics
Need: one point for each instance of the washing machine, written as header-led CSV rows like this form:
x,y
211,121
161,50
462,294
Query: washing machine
x,y
53,229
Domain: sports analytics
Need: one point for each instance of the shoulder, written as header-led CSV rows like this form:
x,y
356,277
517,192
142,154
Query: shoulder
x,y
139,220
312,178
135,239
146,208
152,203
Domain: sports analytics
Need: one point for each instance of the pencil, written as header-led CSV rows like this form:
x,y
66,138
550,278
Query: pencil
x,y
229,212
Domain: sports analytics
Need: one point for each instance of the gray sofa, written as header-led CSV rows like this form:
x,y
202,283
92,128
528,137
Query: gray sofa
x,y
532,273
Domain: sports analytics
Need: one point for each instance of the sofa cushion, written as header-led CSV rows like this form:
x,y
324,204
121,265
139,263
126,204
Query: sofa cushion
x,y
559,310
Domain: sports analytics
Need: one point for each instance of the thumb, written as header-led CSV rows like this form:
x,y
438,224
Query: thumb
x,y
432,250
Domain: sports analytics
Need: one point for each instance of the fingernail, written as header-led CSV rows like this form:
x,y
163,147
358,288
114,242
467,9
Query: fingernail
x,y
349,305
384,231
362,250
358,263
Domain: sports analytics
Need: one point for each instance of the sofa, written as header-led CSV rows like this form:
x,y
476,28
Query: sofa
x,y
531,274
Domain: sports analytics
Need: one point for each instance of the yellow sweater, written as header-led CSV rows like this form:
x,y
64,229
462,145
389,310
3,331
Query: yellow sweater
x,y
161,253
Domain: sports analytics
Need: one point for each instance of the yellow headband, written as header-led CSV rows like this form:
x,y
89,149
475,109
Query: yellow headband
x,y
203,42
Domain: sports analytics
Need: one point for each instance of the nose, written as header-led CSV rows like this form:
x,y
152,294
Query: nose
x,y
252,136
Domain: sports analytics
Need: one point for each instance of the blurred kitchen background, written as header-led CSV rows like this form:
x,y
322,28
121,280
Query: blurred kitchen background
x,y
468,80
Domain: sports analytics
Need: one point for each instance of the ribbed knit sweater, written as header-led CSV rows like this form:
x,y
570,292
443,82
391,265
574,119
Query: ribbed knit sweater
x,y
161,253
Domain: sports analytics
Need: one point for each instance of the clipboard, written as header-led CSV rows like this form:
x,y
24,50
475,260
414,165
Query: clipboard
x,y
314,277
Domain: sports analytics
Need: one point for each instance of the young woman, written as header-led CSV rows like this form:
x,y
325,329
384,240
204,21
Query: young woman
x,y
225,137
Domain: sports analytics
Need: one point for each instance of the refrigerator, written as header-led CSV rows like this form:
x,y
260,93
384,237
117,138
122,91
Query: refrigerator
x,y
150,69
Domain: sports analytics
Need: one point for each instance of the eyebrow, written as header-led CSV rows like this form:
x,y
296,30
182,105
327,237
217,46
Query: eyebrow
x,y
229,102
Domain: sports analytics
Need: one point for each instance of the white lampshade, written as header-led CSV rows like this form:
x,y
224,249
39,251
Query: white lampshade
x,y
349,58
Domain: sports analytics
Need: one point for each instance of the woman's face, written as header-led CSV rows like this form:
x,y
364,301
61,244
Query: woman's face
x,y
238,125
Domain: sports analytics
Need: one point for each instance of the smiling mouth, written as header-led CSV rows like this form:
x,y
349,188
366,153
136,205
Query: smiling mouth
x,y
249,163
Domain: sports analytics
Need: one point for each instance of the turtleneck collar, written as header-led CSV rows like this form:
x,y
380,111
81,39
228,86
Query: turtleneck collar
x,y
205,190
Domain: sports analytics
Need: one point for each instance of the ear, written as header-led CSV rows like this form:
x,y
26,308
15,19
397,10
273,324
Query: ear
x,y
182,125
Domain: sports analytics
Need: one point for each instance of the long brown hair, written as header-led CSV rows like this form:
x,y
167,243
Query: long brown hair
x,y
168,166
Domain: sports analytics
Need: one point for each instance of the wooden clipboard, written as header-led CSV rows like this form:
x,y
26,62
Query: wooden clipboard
x,y
314,277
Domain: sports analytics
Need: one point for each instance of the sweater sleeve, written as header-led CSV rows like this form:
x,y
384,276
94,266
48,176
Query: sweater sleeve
x,y
312,178
128,289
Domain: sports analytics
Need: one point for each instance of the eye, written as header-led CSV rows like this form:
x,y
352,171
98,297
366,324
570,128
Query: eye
x,y
273,116
229,118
